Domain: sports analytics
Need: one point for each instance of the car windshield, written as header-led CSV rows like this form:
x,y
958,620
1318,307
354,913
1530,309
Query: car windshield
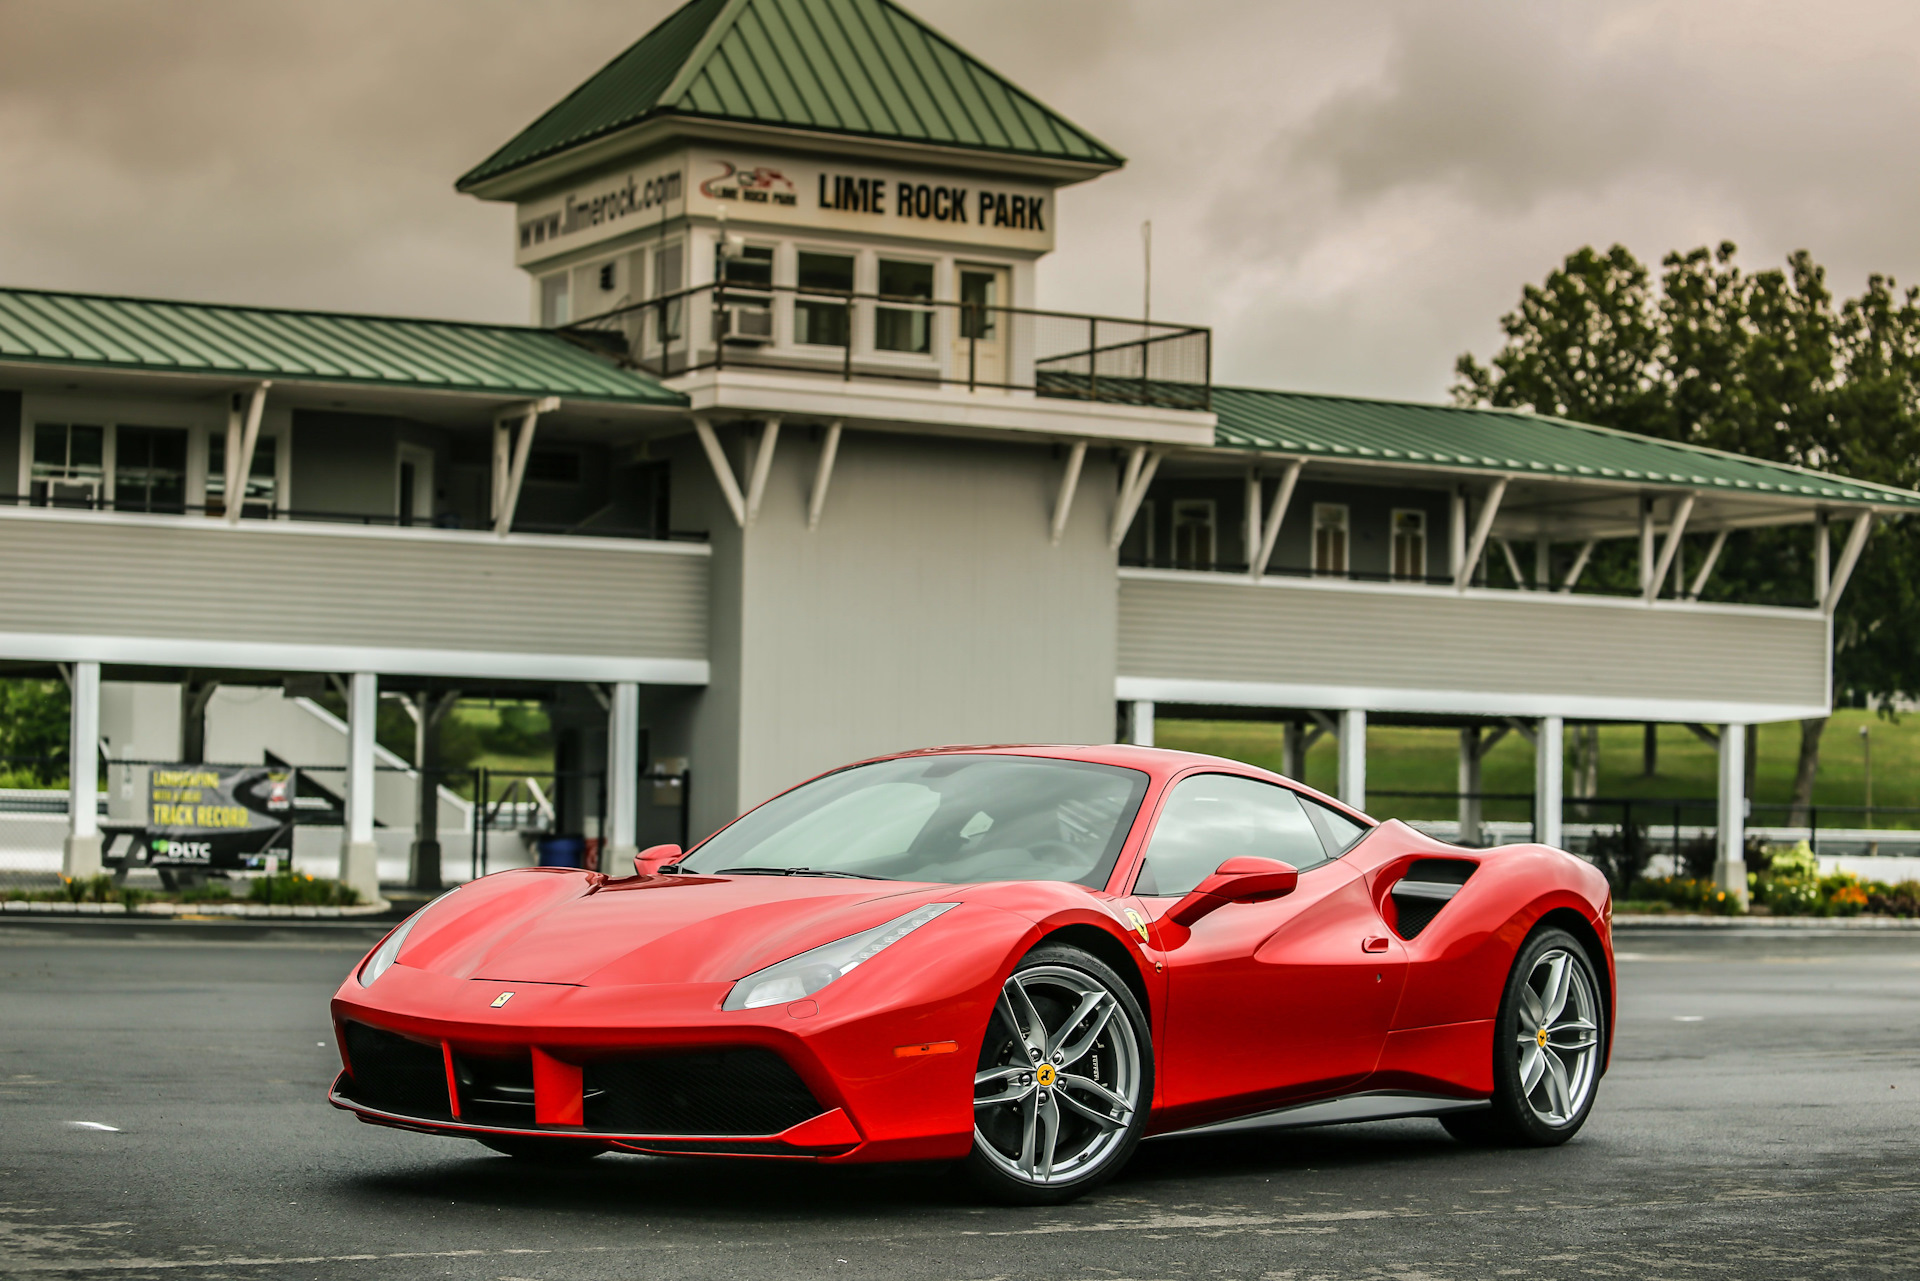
x,y
940,818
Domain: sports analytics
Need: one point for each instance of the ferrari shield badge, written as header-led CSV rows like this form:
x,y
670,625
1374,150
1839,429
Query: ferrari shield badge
x,y
1138,924
502,999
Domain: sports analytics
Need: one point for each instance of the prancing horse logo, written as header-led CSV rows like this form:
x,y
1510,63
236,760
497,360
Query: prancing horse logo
x,y
502,999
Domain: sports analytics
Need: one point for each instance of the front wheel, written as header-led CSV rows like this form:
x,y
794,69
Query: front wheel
x,y
1064,1081
1549,1043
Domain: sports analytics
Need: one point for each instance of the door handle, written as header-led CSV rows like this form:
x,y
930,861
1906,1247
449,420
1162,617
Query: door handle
x,y
1377,944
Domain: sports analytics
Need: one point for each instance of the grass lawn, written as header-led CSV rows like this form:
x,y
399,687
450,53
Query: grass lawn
x,y
1426,760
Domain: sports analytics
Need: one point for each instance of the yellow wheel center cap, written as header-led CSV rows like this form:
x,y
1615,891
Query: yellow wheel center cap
x,y
1045,1074
1540,1038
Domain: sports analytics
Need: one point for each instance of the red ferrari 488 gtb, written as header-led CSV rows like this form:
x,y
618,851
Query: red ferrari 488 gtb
x,y
1024,958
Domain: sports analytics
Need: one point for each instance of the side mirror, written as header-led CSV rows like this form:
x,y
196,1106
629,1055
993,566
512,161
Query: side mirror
x,y
1238,880
655,857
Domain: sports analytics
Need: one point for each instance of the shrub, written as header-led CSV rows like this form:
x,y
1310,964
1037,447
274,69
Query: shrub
x,y
301,890
1894,900
1684,893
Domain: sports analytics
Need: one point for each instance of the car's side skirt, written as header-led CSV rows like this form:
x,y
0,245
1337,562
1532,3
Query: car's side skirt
x,y
1372,1106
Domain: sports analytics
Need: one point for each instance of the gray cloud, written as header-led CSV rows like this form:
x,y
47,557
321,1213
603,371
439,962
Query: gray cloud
x,y
1351,194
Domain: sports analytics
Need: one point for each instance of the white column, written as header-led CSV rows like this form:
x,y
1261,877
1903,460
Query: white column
x,y
1730,866
1469,788
80,855
623,778
359,856
1548,742
1353,757
1140,722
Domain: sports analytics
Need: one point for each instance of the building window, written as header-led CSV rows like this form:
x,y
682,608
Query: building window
x,y
1193,533
907,329
69,464
667,262
150,469
750,268
1329,538
1409,544
260,489
979,304
556,303
819,323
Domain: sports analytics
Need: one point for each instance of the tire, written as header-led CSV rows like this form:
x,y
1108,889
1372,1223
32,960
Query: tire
x,y
1045,1133
559,1152
1549,1042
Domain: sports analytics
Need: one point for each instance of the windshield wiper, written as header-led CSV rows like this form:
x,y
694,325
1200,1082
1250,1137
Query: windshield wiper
x,y
796,871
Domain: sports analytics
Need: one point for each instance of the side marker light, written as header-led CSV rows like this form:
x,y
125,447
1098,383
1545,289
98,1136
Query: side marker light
x,y
929,1047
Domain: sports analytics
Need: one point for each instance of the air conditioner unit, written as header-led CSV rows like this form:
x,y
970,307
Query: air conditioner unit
x,y
747,323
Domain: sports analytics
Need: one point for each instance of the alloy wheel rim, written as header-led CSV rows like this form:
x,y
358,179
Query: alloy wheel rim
x,y
1558,1038
1059,1077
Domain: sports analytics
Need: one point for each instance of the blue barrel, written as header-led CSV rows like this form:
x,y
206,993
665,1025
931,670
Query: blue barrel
x,y
562,851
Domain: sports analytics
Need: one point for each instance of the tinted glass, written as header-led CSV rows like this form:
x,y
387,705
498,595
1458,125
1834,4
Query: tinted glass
x,y
1339,832
941,818
906,279
826,271
1211,818
753,266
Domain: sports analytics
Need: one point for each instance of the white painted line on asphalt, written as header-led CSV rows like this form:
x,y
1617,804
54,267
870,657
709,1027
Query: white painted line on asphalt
x,y
94,1125
1688,1018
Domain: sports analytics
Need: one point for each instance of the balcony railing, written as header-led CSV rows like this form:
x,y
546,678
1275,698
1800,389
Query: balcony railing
x,y
941,343
593,525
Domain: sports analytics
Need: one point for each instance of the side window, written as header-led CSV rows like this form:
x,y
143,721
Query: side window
x,y
1211,818
1338,831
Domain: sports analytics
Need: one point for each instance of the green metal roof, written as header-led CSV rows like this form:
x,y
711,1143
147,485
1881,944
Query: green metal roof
x,y
860,67
1509,442
152,335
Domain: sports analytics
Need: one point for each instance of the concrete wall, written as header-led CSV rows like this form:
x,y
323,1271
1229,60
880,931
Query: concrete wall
x,y
928,607
71,573
1471,650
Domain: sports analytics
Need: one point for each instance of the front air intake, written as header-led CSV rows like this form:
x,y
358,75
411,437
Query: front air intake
x,y
745,1091
392,1073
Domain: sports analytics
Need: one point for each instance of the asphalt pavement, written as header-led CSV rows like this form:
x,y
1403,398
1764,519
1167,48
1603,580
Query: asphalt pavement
x,y
162,1114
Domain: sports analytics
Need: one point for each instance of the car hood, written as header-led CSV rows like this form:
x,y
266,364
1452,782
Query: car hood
x,y
536,927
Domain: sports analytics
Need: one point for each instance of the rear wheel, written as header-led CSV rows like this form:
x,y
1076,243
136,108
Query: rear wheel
x,y
1547,1050
1064,1081
546,1151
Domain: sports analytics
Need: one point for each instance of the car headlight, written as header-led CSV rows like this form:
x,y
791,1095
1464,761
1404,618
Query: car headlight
x,y
389,950
807,973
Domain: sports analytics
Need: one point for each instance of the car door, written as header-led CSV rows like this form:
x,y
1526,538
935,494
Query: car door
x,y
1266,1002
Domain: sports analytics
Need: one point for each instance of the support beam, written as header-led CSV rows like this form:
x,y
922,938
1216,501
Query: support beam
x,y
240,460
1456,530
1069,483
423,859
1730,862
623,780
1250,533
1646,544
1705,572
1353,757
359,856
1849,557
1822,555
722,470
762,466
1579,565
1270,531
1133,491
1296,741
1676,530
1140,722
1542,563
1469,786
1548,780
1513,565
1707,735
510,454
823,476
1463,573
80,852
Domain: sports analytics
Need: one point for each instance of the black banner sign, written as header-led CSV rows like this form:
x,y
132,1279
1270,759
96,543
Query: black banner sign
x,y
220,815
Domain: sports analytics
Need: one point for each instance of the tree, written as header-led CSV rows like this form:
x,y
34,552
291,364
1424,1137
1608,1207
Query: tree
x,y
1757,363
34,723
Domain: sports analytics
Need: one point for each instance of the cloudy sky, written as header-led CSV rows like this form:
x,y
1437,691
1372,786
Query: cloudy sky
x,y
1350,194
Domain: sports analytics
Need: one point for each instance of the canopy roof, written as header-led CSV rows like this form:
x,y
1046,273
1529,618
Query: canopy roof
x,y
1510,442
864,68
152,335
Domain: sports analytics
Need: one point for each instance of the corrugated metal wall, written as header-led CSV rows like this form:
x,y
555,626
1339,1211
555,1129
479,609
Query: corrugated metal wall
x,y
1195,629
193,580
